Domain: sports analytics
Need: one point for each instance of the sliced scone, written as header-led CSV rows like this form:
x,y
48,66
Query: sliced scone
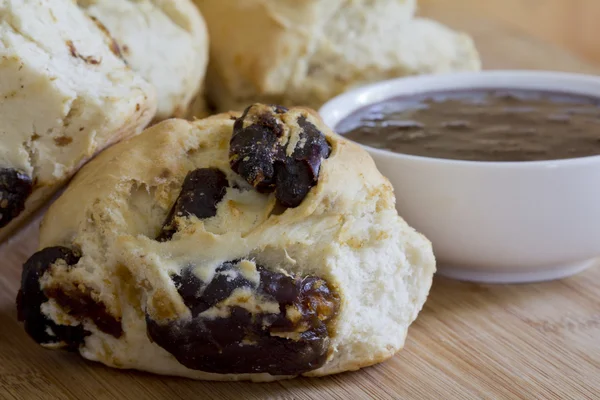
x,y
65,94
302,53
164,40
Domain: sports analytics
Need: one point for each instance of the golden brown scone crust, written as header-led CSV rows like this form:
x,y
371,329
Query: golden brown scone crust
x,y
346,231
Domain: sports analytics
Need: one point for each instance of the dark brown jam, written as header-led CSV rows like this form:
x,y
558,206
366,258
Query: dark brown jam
x,y
481,125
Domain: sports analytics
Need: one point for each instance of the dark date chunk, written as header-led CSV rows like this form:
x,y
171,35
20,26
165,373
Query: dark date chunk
x,y
199,297
289,342
201,192
258,155
31,297
75,301
81,305
15,188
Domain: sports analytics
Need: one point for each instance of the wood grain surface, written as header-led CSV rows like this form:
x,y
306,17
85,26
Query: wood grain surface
x,y
537,341
571,24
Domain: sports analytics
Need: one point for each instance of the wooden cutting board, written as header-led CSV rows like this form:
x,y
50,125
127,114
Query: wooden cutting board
x,y
538,341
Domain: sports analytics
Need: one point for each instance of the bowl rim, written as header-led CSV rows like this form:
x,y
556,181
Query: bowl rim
x,y
380,91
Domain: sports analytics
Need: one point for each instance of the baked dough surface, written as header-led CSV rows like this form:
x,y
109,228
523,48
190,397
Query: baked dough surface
x,y
165,41
66,94
302,53
365,273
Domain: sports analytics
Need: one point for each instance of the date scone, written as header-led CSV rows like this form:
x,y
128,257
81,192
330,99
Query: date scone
x,y
163,40
257,246
65,94
305,52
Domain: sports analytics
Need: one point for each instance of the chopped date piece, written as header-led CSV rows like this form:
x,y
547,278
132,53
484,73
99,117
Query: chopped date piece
x,y
294,181
254,150
257,154
188,286
31,297
81,305
15,188
201,192
76,301
289,338
226,346
315,149
199,296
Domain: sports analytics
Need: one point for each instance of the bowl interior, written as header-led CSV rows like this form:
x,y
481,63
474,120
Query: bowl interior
x,y
343,105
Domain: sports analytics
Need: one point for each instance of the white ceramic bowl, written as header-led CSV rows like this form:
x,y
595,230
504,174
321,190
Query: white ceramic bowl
x,y
497,222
